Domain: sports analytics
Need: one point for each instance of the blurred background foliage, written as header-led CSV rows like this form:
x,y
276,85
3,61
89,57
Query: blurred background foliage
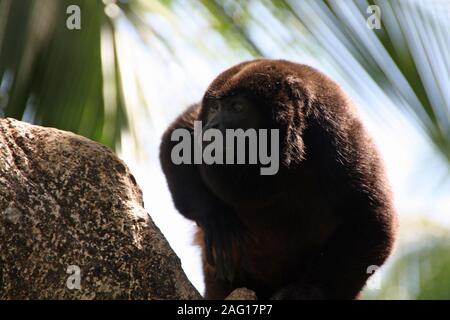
x,y
93,82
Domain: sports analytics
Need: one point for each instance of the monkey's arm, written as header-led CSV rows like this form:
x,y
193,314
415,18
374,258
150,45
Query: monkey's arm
x,y
190,195
340,270
195,201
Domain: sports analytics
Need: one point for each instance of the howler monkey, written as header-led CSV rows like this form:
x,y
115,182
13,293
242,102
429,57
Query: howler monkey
x,y
316,228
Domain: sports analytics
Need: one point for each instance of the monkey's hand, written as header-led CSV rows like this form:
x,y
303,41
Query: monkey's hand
x,y
298,292
225,239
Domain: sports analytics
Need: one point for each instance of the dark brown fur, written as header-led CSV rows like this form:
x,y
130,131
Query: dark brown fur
x,y
320,222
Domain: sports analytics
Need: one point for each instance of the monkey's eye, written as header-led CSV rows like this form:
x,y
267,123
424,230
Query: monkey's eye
x,y
213,108
237,107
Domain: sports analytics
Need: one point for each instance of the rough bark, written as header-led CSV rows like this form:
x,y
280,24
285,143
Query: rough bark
x,y
242,294
69,204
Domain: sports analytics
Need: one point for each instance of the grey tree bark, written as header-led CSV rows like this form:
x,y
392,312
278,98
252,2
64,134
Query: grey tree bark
x,y
73,223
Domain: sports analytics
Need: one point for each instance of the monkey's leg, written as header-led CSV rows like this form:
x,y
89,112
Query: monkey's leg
x,y
341,269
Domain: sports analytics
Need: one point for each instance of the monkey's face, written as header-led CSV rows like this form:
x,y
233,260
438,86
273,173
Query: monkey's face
x,y
237,111
236,177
